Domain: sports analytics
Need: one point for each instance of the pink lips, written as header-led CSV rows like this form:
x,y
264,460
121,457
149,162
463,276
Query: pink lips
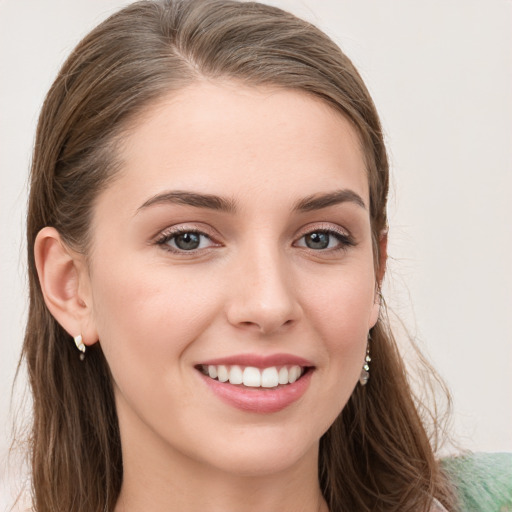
x,y
259,400
260,361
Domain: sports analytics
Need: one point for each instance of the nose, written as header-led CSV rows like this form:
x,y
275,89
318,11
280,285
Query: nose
x,y
263,296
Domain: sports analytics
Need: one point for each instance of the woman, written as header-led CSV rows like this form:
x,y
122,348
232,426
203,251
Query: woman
x,y
207,242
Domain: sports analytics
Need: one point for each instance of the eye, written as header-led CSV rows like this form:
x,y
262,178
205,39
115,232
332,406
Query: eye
x,y
185,241
324,239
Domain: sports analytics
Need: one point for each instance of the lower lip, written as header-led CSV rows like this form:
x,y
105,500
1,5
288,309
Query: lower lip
x,y
259,400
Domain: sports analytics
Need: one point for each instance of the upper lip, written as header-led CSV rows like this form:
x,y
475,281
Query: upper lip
x,y
258,360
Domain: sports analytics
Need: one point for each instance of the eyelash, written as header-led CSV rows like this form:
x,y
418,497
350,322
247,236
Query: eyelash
x,y
344,240
167,236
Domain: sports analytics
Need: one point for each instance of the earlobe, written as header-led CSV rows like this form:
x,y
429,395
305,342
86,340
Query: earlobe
x,y
61,276
375,311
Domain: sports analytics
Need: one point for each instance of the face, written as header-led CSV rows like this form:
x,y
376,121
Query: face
x,y
234,244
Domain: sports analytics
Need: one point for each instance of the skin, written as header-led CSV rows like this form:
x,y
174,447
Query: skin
x,y
253,286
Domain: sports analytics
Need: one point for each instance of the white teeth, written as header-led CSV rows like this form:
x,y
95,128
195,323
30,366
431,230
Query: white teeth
x,y
222,373
269,377
293,374
235,375
253,377
283,375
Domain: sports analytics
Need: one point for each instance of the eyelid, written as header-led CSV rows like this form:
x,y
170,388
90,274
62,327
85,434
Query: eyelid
x,y
326,227
344,236
169,233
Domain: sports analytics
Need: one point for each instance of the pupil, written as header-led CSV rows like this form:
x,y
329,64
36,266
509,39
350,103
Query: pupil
x,y
187,241
317,240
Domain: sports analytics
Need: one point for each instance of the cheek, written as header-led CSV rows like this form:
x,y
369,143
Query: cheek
x,y
341,313
343,308
146,316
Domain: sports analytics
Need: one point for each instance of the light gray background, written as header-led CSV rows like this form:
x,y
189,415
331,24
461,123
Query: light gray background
x,y
441,75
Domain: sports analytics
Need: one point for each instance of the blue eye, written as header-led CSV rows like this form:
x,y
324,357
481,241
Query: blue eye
x,y
186,241
317,240
324,239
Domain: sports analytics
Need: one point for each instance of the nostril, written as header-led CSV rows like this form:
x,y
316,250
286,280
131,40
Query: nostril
x,y
266,316
265,327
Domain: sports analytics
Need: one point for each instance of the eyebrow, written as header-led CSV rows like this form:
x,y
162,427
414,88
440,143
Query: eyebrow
x,y
214,202
319,201
209,201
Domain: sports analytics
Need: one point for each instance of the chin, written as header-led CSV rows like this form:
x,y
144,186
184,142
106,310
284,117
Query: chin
x,y
260,451
265,462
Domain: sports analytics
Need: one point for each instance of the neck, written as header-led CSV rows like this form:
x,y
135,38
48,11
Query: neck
x,y
217,493
157,478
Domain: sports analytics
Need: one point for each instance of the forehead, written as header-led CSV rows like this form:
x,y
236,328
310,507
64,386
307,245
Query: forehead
x,y
226,138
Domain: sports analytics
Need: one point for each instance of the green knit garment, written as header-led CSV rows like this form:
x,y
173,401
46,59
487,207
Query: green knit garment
x,y
483,481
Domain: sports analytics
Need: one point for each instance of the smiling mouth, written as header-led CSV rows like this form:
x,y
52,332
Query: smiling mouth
x,y
271,377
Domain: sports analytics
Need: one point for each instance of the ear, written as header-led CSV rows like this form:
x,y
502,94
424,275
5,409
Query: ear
x,y
383,257
381,270
65,284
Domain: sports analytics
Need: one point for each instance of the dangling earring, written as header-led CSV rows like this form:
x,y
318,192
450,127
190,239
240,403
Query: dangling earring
x,y
80,346
365,372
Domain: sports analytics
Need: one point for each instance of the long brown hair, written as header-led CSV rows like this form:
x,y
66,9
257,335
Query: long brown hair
x,y
377,455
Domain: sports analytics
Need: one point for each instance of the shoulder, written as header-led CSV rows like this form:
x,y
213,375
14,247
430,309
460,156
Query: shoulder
x,y
483,481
